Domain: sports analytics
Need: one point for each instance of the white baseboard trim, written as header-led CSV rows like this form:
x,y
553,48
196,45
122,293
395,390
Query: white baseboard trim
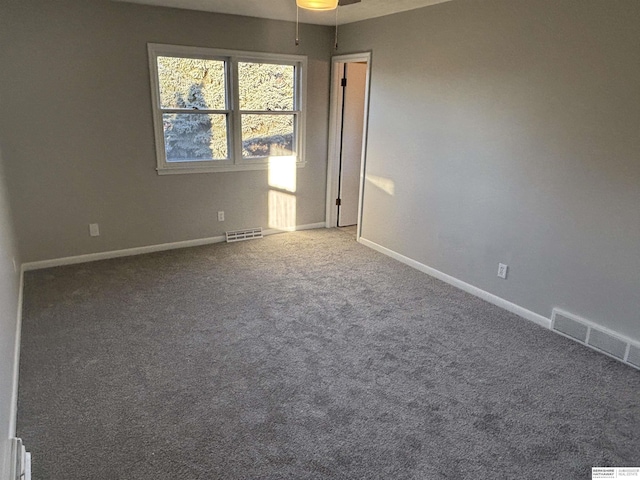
x,y
127,252
13,415
489,297
298,228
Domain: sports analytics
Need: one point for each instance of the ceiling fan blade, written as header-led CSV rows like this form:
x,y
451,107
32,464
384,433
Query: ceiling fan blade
x,y
342,3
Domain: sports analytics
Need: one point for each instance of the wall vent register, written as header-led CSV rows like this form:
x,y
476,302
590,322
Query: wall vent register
x,y
595,337
247,234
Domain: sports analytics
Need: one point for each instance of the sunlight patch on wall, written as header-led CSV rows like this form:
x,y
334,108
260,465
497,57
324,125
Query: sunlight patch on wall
x,y
282,173
385,184
282,211
282,199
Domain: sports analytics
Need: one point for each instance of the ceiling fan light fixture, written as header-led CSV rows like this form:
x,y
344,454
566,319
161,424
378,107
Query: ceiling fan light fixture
x,y
319,5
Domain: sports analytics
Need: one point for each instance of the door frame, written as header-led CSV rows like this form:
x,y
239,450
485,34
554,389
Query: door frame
x,y
335,126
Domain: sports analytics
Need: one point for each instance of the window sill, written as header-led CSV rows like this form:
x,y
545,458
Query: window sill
x,y
221,168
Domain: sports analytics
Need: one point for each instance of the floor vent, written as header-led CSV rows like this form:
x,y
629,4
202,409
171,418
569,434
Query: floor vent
x,y
248,234
575,330
605,342
20,461
596,337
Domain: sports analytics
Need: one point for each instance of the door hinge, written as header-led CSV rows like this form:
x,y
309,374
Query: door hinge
x,y
338,202
343,82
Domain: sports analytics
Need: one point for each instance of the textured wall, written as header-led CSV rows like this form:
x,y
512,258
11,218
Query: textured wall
x,y
9,283
78,135
509,131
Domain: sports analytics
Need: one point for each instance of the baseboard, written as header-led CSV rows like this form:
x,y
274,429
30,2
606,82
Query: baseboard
x,y
298,228
13,415
473,290
127,252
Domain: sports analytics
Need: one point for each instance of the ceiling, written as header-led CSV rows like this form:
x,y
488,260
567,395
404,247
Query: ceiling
x,y
286,9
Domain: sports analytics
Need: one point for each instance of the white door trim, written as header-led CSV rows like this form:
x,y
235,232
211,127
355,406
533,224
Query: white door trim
x,y
333,160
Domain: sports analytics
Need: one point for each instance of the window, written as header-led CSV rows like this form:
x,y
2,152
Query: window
x,y
224,110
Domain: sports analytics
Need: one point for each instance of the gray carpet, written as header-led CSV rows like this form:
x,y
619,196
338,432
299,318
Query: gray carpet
x,y
304,356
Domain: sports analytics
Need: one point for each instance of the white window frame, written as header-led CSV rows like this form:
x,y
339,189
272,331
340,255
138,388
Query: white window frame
x,y
235,161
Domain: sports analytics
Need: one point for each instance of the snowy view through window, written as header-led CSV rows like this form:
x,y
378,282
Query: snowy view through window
x,y
195,100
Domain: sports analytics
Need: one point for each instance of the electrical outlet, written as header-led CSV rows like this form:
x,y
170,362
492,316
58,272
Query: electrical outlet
x,y
502,270
94,229
221,216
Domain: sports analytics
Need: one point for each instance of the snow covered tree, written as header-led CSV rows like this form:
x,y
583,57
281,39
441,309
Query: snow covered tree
x,y
188,135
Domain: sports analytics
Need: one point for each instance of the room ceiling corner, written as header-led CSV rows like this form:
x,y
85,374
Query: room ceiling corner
x,y
286,9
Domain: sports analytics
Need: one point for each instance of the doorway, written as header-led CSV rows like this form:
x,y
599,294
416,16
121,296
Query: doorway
x,y
347,139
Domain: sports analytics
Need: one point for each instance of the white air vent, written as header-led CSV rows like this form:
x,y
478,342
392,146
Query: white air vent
x,y
607,343
248,234
595,337
20,467
570,327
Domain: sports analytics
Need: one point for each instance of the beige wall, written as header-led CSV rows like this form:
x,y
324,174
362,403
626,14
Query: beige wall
x,y
78,136
9,285
510,131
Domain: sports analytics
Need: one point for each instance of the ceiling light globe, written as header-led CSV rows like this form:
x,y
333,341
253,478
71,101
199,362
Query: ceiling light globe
x,y
318,4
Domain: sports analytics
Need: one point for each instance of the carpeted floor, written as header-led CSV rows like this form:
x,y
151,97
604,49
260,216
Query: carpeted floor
x,y
304,356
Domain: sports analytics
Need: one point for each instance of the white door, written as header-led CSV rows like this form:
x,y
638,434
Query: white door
x,y
353,103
